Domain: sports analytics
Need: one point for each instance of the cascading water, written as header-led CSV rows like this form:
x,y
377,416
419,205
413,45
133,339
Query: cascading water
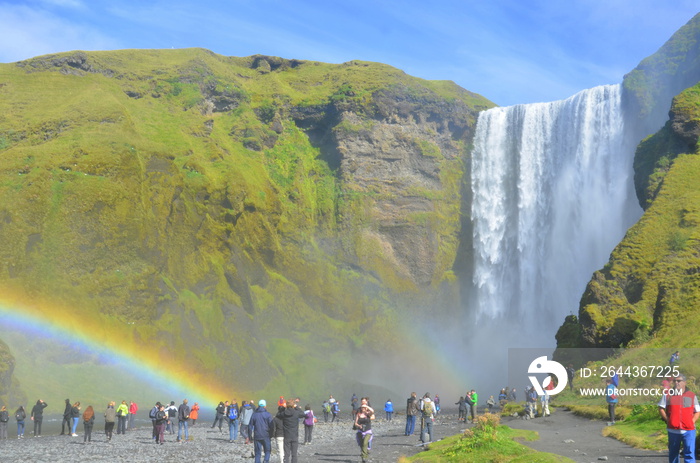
x,y
552,196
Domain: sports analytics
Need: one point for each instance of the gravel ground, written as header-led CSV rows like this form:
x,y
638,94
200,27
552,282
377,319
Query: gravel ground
x,y
331,443
562,433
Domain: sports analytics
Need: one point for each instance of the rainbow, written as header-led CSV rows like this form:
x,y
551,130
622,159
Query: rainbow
x,y
156,368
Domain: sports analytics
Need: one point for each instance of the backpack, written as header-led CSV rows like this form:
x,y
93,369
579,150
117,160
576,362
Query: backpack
x,y
152,413
233,413
336,407
327,407
427,409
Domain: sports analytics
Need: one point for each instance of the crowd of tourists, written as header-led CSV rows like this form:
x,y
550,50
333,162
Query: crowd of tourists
x,y
250,420
258,426
121,416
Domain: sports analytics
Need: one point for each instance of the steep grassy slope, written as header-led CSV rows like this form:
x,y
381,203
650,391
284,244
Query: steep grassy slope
x,y
230,214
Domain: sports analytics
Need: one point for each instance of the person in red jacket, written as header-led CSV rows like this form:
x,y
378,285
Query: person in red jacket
x,y
133,408
680,410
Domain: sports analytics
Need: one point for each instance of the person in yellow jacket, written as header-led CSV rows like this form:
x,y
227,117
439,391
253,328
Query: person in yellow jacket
x,y
122,411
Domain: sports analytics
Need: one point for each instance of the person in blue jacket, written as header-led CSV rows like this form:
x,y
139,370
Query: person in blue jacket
x,y
262,428
389,409
611,399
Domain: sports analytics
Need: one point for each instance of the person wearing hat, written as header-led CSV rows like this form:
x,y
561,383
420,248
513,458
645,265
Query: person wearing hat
x,y
262,427
363,425
680,410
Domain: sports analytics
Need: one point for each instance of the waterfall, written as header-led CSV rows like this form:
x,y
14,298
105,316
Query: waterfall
x,y
552,197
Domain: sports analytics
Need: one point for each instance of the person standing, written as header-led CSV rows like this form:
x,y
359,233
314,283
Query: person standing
x,y
355,404
610,398
326,407
161,421
674,358
290,422
490,402
502,398
122,412
66,423
427,419
75,418
4,418
411,412
171,410
38,416
363,425
309,422
570,375
680,410
246,412
20,416
152,415
531,399
194,413
335,409
279,433
462,408
262,427
388,409
133,408
219,417
110,418
474,397
88,423
183,415
232,415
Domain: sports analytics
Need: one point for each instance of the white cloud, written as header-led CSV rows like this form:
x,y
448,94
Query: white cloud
x,y
27,32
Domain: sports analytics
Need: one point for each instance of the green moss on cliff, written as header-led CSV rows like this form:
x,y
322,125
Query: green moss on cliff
x,y
184,196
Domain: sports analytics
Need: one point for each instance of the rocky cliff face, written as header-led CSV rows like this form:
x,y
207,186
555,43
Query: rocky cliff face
x,y
407,153
186,197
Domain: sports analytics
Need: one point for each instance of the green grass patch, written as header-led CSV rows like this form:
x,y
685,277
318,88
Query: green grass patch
x,y
643,428
487,441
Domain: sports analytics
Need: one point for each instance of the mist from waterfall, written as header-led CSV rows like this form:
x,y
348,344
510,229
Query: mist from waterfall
x,y
552,196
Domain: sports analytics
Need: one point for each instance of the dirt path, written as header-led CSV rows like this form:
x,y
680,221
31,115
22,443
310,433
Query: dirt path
x,y
580,439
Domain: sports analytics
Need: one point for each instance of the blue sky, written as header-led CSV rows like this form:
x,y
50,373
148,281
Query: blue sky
x,y
510,51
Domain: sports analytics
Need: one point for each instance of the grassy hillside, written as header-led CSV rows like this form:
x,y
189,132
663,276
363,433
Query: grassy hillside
x,y
213,212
